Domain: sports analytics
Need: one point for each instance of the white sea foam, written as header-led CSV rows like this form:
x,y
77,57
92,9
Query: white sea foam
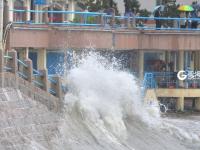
x,y
104,97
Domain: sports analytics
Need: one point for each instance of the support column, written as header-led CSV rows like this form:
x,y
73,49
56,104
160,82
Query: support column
x,y
51,15
41,65
23,54
196,60
38,15
63,14
11,7
197,104
192,63
180,104
27,5
27,53
41,61
141,65
168,60
181,65
71,7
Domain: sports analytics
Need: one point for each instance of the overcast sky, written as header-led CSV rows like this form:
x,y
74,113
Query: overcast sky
x,y
150,4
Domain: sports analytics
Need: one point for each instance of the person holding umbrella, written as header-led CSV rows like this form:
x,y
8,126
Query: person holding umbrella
x,y
157,14
182,22
185,9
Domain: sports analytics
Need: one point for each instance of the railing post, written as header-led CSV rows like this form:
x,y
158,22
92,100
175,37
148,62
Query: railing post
x,y
102,20
82,18
125,21
12,63
29,70
46,18
44,79
1,61
113,17
58,86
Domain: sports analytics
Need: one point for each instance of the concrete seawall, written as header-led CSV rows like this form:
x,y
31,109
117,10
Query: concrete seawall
x,y
24,122
10,80
29,116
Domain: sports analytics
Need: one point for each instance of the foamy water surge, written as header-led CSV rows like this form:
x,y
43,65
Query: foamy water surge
x,y
104,110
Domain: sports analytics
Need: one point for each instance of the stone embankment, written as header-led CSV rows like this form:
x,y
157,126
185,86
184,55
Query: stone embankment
x,y
29,116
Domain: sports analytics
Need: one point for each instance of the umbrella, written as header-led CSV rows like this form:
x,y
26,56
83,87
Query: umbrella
x,y
185,8
159,6
162,7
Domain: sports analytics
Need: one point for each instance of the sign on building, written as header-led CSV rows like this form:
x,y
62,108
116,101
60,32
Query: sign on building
x,y
40,2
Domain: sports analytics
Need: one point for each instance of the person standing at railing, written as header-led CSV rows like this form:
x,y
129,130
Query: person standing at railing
x,y
130,18
194,22
182,21
157,16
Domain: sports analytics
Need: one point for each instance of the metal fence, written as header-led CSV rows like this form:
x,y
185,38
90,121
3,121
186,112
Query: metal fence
x,y
40,78
167,80
98,19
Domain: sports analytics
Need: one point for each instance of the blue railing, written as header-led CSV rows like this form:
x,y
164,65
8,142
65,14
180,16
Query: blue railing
x,y
22,63
21,72
160,80
38,76
37,73
167,80
52,80
149,81
81,18
97,19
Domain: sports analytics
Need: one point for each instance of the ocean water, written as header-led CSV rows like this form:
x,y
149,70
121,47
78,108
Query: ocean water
x,y
104,110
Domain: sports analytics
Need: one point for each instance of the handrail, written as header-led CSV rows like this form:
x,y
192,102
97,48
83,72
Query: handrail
x,y
38,83
52,91
60,11
23,75
52,80
8,57
7,68
38,73
105,21
22,63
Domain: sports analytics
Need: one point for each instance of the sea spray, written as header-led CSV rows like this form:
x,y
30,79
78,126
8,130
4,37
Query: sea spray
x,y
104,93
105,103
